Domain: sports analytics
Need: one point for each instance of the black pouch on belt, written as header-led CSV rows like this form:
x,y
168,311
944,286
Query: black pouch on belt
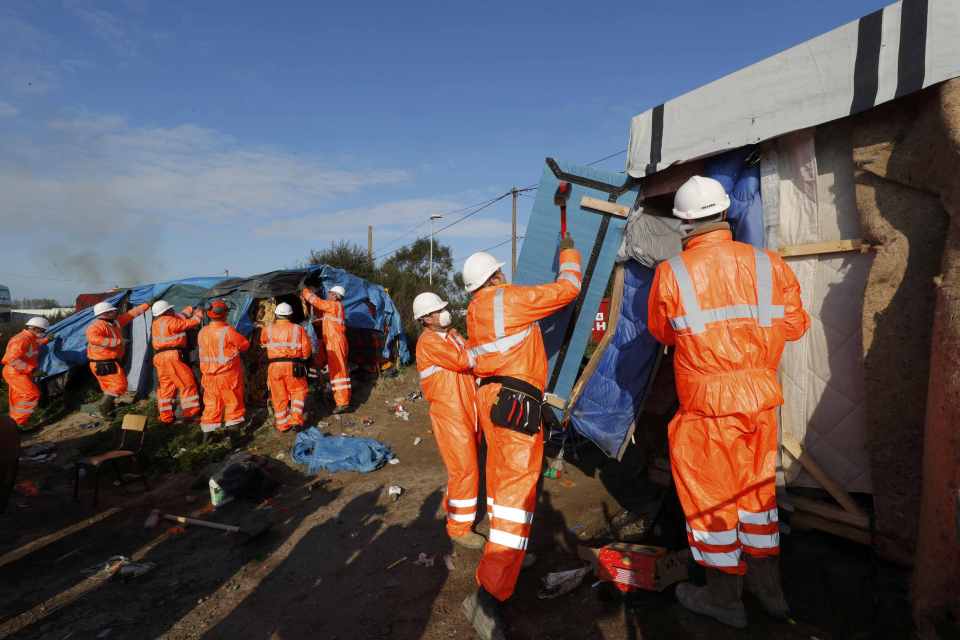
x,y
299,370
518,405
106,368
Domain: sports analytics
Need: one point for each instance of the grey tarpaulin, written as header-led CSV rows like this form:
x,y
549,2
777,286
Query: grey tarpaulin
x,y
651,239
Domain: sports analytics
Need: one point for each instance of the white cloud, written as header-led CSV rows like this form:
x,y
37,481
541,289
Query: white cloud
x,y
7,110
105,25
99,168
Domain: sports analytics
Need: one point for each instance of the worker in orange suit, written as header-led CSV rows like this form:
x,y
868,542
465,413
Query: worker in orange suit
x,y
105,349
335,343
174,375
511,365
727,309
20,362
444,365
222,371
288,351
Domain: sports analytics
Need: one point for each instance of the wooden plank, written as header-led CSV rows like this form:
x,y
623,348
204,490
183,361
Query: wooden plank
x,y
669,180
619,210
40,543
555,401
804,520
828,511
795,449
820,248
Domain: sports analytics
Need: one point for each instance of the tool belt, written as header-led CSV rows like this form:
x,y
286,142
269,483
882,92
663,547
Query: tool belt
x,y
105,367
518,406
299,365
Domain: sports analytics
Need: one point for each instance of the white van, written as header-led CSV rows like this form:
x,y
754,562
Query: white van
x,y
6,304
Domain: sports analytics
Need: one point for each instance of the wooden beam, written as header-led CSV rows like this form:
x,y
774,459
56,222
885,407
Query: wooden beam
x,y
555,401
804,520
795,449
669,180
820,248
619,210
828,511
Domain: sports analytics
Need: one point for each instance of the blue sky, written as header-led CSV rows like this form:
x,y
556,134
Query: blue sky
x,y
142,140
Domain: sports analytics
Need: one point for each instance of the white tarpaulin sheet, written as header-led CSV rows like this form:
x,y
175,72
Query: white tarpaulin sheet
x,y
807,187
890,53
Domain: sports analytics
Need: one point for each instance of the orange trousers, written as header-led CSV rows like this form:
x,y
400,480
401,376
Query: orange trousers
x,y
114,384
339,373
175,377
24,395
724,468
222,399
288,395
457,439
514,463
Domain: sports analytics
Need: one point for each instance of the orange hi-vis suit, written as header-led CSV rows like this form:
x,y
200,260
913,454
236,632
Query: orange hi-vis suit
x,y
728,309
335,343
19,362
287,345
444,365
105,344
222,379
505,340
174,374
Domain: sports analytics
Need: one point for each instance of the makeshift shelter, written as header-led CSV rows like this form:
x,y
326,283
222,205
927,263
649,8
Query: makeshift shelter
x,y
368,310
847,143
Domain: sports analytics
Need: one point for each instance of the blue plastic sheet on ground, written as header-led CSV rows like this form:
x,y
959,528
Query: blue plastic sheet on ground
x,y
537,263
613,396
338,453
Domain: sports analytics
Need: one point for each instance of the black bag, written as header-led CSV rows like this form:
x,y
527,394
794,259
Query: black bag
x,y
518,405
106,368
299,370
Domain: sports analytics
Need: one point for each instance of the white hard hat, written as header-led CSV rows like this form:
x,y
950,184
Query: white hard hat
x,y
39,322
160,307
700,197
426,303
477,269
340,291
103,307
283,310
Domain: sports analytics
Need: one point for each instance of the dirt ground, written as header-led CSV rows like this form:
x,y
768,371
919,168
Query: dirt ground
x,y
340,559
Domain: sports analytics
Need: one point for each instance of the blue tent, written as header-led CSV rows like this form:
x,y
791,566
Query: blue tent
x,y
367,306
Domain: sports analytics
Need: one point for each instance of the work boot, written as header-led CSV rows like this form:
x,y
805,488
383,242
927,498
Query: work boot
x,y
763,583
720,599
483,612
106,407
470,540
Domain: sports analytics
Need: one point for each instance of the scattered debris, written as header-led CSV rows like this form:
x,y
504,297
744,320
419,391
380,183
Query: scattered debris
x,y
417,440
559,583
280,456
27,489
39,453
400,412
393,461
369,421
90,425
396,491
121,566
396,562
448,560
322,425
424,560
414,396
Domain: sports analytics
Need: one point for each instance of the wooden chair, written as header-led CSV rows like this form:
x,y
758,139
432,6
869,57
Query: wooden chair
x,y
132,434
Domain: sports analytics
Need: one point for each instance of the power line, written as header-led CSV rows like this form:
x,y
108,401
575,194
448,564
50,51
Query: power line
x,y
612,155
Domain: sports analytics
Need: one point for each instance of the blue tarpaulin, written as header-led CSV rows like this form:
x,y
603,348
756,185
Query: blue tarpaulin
x,y
319,451
366,305
612,399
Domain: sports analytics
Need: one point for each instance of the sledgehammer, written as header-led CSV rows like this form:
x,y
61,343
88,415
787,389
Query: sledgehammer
x,y
254,528
560,197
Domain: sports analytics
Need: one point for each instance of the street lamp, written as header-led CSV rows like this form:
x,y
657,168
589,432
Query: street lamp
x,y
433,219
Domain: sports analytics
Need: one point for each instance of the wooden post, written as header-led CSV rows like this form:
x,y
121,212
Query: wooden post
x,y
513,238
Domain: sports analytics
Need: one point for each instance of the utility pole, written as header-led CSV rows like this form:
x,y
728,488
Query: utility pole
x,y
513,238
370,244
433,219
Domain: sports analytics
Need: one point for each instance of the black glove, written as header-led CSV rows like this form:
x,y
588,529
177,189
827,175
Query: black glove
x,y
566,242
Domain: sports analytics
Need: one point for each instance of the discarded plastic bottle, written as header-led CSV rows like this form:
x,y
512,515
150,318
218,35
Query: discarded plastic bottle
x,y
552,473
